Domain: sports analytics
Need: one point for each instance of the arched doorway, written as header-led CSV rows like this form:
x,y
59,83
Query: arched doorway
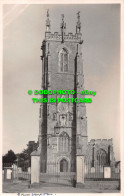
x,y
63,165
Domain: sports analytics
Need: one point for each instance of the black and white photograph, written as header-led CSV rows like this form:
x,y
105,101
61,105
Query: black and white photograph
x,y
61,92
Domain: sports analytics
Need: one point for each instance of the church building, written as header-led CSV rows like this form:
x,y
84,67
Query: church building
x,y
63,126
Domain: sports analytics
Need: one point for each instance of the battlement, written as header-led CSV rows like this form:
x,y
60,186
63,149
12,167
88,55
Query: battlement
x,y
101,142
69,37
62,37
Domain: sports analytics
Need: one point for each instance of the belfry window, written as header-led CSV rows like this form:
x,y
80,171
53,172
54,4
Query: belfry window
x,y
63,60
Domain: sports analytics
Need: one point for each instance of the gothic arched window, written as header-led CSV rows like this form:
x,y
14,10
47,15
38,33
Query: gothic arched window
x,y
102,157
63,142
63,60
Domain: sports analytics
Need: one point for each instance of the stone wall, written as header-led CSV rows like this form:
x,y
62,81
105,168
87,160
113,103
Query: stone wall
x,y
51,126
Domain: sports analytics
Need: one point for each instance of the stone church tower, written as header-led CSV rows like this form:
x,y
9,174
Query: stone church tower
x,y
62,126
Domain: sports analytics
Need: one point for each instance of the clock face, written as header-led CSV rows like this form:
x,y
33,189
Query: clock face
x,y
63,107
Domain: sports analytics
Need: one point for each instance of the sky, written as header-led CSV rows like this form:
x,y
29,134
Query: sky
x,y
23,33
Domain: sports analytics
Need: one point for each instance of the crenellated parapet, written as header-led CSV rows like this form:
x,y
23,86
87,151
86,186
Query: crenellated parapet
x,y
62,36
69,37
101,142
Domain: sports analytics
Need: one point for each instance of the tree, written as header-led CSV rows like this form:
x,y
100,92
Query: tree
x,y
10,157
25,155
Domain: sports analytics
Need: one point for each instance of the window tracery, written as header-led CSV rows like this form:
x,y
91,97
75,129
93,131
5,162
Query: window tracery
x,y
63,60
64,142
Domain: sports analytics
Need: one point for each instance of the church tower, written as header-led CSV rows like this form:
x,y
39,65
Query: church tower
x,y
62,126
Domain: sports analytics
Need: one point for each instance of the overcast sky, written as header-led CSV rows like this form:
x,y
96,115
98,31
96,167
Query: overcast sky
x,y
24,28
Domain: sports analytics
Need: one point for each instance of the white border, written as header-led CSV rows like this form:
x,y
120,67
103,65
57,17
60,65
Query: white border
x,y
3,2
